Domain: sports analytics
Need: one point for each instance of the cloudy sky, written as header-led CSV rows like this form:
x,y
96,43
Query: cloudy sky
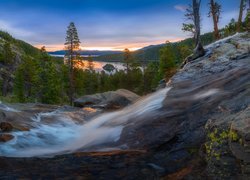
x,y
103,24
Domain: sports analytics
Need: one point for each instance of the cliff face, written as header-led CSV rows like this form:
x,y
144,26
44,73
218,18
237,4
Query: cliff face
x,y
205,115
201,130
18,49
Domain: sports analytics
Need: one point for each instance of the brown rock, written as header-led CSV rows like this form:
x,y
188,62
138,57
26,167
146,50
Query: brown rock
x,y
6,137
6,127
20,128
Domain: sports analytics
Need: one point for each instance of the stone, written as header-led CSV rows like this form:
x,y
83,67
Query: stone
x,y
108,100
2,116
6,137
20,128
6,127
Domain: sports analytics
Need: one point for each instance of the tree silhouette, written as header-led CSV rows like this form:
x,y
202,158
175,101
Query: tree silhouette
x,y
242,7
193,15
72,46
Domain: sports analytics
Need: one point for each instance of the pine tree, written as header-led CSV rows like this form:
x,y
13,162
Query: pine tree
x,y
193,15
8,55
242,7
7,59
199,51
167,61
231,28
27,80
53,86
127,59
72,46
189,27
19,87
50,82
90,64
184,51
248,17
215,12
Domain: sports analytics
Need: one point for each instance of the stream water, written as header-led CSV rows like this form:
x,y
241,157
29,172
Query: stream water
x,y
63,135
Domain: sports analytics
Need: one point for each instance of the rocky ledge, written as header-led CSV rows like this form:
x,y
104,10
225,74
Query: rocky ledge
x,y
108,100
200,132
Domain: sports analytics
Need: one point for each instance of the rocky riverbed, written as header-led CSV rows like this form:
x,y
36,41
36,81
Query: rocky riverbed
x,y
198,127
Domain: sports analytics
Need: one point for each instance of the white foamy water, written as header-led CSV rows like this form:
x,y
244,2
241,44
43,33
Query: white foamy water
x,y
65,136
7,108
206,94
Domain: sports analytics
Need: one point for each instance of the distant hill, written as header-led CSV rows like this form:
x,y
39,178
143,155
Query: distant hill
x,y
149,52
152,53
20,47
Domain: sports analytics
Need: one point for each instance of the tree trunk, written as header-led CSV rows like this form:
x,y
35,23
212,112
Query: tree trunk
x,y
196,10
239,25
199,50
71,89
215,20
248,16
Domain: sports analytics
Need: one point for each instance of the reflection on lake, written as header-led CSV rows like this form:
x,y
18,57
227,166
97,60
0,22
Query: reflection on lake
x,y
97,65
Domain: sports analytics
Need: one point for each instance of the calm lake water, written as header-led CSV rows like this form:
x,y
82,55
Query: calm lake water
x,y
98,65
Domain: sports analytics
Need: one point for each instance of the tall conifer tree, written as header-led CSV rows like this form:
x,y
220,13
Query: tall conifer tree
x,y
248,17
215,12
127,59
193,15
72,46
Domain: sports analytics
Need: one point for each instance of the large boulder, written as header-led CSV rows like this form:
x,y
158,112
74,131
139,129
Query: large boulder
x,y
108,100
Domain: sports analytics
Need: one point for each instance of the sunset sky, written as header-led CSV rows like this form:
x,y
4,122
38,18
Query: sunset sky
x,y
103,24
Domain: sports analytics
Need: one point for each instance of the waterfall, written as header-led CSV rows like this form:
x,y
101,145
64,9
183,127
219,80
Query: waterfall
x,y
64,135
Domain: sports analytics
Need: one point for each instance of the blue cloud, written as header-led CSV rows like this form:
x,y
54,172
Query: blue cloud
x,y
110,23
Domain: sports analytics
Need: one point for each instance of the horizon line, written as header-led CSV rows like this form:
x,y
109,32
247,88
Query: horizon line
x,y
56,47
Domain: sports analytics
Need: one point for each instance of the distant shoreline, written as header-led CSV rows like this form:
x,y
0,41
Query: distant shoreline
x,y
86,56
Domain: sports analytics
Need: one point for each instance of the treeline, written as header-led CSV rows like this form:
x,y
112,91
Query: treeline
x,y
37,77
151,54
42,78
22,47
45,80
173,54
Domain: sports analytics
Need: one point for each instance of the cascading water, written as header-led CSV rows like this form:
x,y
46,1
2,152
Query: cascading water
x,y
64,135
7,108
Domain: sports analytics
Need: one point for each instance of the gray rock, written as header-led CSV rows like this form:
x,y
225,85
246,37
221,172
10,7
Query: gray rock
x,y
108,100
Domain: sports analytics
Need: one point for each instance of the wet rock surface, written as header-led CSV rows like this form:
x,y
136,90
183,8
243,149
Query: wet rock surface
x,y
187,138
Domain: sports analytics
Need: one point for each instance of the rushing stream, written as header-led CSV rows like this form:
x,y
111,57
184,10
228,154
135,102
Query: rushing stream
x,y
64,135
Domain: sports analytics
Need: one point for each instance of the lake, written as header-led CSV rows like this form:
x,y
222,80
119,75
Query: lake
x,y
98,65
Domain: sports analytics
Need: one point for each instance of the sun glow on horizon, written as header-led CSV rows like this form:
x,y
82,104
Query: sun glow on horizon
x,y
109,48
131,47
